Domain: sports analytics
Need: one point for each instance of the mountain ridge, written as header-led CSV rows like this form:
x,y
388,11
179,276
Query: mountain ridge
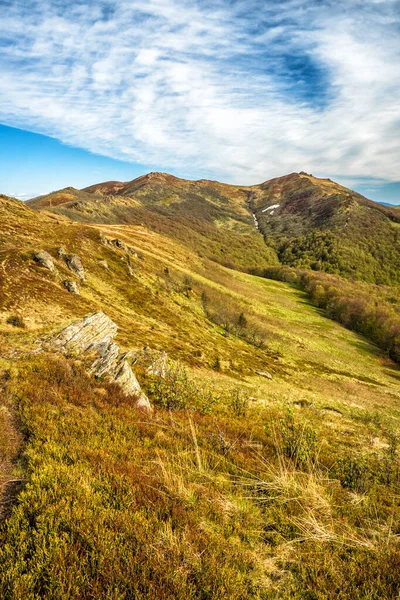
x,y
304,221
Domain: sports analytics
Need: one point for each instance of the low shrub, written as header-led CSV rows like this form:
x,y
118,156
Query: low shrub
x,y
16,321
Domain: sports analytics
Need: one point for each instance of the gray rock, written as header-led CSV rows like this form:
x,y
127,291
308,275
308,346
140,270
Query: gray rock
x,y
143,402
61,253
264,374
72,287
74,263
120,244
105,241
80,336
44,259
92,338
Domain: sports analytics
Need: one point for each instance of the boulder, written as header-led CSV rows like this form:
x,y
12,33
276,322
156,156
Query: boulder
x,y
44,259
61,252
92,339
80,336
74,263
72,287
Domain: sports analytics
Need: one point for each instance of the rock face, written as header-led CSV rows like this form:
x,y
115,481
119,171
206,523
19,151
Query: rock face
x,y
44,258
74,263
92,338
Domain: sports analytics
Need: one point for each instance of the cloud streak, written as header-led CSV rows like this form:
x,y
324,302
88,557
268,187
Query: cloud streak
x,y
242,92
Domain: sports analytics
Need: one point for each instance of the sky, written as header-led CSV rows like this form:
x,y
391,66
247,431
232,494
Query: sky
x,y
238,91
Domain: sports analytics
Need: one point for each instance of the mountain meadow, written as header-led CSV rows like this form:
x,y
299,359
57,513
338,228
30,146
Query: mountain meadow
x,y
200,392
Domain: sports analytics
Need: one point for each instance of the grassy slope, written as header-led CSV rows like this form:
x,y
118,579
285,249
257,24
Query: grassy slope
x,y
238,502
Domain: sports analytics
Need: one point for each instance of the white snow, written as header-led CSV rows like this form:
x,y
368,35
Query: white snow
x,y
272,207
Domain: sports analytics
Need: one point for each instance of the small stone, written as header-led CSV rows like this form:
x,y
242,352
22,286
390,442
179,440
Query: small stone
x,y
120,244
44,259
72,287
264,374
74,263
61,253
105,241
104,264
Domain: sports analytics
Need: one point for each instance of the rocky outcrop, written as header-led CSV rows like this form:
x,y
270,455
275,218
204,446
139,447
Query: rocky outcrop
x,y
81,335
71,286
44,259
92,339
74,263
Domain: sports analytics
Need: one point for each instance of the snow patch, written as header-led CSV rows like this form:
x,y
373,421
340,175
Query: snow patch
x,y
272,207
255,220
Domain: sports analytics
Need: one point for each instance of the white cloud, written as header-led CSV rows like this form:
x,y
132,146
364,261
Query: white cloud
x,y
207,88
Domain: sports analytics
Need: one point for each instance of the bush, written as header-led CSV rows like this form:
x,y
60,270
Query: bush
x,y
239,402
176,390
16,321
296,440
354,473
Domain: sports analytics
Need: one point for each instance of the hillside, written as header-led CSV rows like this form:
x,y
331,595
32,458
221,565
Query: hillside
x,y
269,467
317,224
306,222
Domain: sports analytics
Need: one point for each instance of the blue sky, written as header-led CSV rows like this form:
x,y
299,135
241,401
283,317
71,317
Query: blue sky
x,y
236,91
